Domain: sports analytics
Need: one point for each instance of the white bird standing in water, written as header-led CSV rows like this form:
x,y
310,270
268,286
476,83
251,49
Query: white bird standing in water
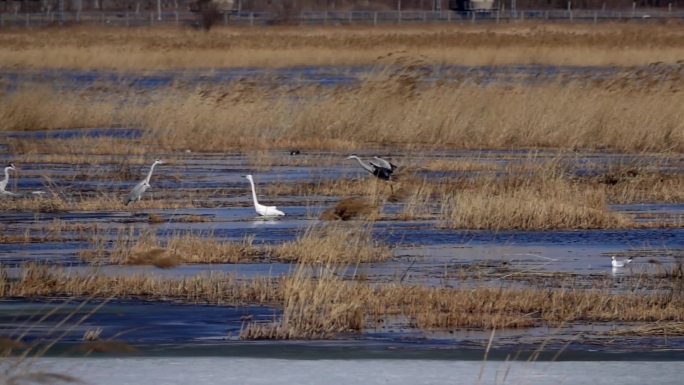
x,y
265,211
3,183
622,263
139,189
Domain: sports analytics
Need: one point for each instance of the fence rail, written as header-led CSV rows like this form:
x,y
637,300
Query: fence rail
x,y
131,19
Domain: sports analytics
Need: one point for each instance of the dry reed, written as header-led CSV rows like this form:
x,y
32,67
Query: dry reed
x,y
333,243
171,48
220,289
313,308
131,247
350,208
317,303
387,110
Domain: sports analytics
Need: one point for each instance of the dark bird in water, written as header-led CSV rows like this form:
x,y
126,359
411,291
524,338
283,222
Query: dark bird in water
x,y
378,167
295,152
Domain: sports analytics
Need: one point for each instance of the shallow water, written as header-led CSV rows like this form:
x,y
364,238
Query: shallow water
x,y
152,328
424,254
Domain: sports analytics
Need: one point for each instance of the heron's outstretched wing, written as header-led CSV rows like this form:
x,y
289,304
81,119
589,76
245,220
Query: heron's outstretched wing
x,y
383,163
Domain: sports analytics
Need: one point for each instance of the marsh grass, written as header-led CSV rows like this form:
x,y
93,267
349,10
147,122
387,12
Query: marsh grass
x,y
318,303
142,247
106,201
351,208
384,110
336,242
322,305
38,281
87,48
317,308
37,109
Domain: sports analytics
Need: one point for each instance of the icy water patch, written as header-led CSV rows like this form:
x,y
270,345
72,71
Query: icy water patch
x,y
168,329
286,371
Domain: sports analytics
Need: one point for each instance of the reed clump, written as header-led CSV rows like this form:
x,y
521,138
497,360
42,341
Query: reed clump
x,y
39,281
313,308
339,243
351,208
530,208
37,109
133,247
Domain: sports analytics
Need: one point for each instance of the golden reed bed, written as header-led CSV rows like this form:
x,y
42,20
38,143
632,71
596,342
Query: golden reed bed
x,y
181,48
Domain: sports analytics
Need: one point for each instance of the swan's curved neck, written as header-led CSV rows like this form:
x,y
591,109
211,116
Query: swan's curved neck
x,y
256,202
149,174
4,182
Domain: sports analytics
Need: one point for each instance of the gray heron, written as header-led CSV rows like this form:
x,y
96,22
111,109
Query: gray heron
x,y
379,167
144,184
623,263
264,211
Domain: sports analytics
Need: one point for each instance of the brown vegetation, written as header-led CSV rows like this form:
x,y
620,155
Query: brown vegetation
x,y
387,110
131,247
219,289
172,48
333,243
317,303
350,208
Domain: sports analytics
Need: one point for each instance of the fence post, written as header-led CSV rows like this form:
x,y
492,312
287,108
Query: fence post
x,y
546,15
128,22
399,17
225,18
472,17
497,16
349,16
595,17
669,7
251,19
28,19
151,18
103,18
375,18
522,15
633,9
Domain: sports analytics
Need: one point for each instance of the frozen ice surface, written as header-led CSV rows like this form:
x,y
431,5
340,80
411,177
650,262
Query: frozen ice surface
x,y
230,370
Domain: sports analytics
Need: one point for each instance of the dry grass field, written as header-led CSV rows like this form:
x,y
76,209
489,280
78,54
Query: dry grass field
x,y
387,110
181,48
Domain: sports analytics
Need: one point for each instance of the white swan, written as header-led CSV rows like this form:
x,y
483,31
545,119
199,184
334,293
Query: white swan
x,y
144,184
266,211
3,183
622,263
